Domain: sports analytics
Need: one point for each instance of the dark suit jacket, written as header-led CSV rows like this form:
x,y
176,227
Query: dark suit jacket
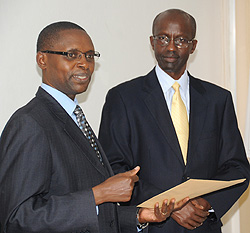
x,y
47,171
136,129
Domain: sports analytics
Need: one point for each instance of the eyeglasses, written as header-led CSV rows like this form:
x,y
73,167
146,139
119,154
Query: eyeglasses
x,y
76,55
179,42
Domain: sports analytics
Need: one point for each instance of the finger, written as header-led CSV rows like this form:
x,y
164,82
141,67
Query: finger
x,y
181,203
169,209
202,214
165,207
134,178
197,205
194,224
171,205
198,213
133,171
199,220
157,210
132,174
196,220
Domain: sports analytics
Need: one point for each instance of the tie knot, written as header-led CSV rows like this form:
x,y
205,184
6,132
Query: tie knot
x,y
176,86
78,111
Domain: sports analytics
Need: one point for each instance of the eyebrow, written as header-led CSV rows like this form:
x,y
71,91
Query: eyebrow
x,y
80,50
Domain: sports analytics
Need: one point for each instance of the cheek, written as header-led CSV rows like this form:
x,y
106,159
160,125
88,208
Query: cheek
x,y
91,69
65,71
185,56
159,51
61,68
67,67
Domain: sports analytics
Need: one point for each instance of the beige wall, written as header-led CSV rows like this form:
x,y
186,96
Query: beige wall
x,y
243,58
120,30
243,67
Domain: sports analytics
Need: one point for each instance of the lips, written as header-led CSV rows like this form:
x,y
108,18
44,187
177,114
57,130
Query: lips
x,y
81,77
170,59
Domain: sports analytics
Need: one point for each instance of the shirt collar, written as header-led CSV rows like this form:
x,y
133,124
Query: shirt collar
x,y
68,104
166,81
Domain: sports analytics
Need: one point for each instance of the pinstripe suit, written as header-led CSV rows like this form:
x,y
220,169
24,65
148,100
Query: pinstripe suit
x,y
47,171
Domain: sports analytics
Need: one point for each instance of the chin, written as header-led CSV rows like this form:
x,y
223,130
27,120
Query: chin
x,y
82,90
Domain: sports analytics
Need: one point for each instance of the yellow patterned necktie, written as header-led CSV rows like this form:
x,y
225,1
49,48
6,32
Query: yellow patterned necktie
x,y
180,120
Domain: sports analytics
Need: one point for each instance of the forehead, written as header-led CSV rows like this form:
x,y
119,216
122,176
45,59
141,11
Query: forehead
x,y
173,24
73,39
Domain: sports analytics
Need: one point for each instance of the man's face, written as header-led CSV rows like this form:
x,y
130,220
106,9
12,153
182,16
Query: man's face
x,y
170,58
68,76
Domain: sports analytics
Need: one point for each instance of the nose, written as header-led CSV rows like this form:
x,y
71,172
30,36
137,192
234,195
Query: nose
x,y
171,45
83,63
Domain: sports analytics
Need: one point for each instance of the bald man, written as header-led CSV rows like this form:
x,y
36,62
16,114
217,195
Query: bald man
x,y
138,127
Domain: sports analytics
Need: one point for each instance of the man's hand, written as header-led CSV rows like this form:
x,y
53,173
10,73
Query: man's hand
x,y
117,188
160,214
198,201
193,214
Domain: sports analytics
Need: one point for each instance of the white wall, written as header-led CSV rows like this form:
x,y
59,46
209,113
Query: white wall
x,y
120,30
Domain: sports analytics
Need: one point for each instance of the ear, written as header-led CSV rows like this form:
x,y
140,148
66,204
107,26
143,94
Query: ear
x,y
152,42
194,46
41,60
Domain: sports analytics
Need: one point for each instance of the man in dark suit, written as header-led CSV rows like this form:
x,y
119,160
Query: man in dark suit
x,y
54,176
138,128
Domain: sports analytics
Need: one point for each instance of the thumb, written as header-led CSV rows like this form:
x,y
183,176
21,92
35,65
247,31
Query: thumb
x,y
181,203
196,204
133,171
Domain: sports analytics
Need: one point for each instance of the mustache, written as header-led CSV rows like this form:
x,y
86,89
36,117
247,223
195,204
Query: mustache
x,y
171,54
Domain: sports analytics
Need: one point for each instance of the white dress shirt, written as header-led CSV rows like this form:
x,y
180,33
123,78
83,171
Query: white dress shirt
x,y
68,104
166,83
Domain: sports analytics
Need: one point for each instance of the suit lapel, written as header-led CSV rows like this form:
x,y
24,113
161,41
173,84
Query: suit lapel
x,y
72,130
78,137
157,106
198,112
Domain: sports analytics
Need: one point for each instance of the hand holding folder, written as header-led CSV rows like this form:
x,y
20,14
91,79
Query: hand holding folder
x,y
191,188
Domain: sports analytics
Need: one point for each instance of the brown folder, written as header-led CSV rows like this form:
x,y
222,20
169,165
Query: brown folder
x,y
191,188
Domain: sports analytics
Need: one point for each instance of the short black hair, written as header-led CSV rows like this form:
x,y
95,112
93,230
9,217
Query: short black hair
x,y
189,17
50,34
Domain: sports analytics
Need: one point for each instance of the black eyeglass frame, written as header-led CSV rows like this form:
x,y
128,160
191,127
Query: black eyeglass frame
x,y
96,54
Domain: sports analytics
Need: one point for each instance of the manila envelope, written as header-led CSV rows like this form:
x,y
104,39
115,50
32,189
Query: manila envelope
x,y
191,188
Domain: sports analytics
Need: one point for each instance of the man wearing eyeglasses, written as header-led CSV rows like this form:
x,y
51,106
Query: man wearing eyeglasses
x,y
54,175
175,127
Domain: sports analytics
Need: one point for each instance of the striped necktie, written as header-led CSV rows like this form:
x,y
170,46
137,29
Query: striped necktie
x,y
87,131
180,120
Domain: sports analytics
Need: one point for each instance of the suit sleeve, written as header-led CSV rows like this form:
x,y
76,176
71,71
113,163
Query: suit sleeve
x,y
233,163
116,137
25,176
